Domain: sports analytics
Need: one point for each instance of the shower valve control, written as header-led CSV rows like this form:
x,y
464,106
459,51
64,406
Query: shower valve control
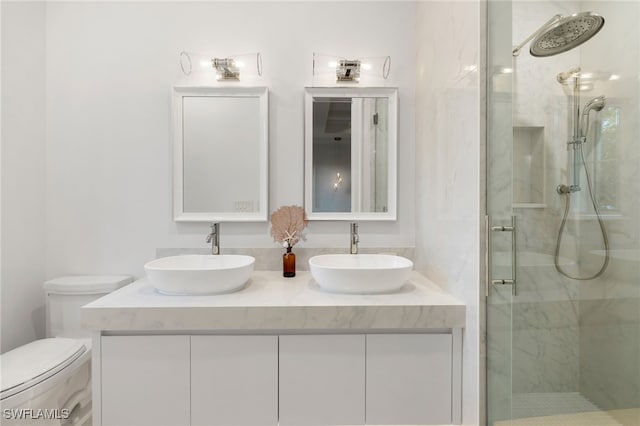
x,y
565,189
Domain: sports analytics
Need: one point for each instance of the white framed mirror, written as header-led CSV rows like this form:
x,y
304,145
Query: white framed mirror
x,y
220,154
351,153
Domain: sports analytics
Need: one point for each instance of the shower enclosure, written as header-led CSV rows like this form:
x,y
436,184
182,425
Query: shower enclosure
x,y
563,205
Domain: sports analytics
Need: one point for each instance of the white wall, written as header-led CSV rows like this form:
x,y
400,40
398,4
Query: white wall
x,y
448,166
89,84
110,67
23,172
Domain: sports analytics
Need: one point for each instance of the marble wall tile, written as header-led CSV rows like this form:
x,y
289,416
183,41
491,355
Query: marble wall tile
x,y
499,354
448,166
610,305
545,346
540,351
546,312
610,350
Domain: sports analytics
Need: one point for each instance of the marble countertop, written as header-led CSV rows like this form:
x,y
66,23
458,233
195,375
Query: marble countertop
x,y
271,302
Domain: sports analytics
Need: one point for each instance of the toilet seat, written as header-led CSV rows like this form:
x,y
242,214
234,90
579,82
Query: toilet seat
x,y
35,362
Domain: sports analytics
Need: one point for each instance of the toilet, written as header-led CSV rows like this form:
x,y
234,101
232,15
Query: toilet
x,y
48,381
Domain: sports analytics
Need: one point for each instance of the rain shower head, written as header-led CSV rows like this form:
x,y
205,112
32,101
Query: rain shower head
x,y
562,33
567,33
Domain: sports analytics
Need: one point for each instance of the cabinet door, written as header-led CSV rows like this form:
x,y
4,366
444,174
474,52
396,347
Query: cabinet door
x,y
145,380
234,380
409,379
322,380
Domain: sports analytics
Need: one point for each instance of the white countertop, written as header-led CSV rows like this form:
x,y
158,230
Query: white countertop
x,y
271,302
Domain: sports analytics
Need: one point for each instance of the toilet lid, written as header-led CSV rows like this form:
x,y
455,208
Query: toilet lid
x,y
86,284
34,362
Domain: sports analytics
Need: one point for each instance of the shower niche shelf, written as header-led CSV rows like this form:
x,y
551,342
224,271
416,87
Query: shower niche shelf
x,y
528,167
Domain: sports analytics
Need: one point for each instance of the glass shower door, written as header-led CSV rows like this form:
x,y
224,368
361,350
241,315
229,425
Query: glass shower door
x,y
563,342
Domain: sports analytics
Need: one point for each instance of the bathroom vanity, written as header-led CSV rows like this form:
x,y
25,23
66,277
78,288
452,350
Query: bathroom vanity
x,y
279,351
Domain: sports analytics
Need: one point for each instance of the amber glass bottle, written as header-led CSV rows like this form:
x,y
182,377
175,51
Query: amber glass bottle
x,y
289,264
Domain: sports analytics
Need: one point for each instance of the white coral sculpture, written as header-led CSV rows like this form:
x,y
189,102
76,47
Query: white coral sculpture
x,y
287,224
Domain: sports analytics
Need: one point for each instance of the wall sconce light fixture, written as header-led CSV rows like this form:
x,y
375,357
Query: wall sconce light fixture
x,y
348,70
226,69
331,69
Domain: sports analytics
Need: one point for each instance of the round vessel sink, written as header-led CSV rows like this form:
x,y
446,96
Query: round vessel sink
x,y
360,273
199,274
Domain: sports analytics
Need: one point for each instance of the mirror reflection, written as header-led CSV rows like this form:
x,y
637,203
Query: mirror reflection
x,y
218,133
338,186
351,156
220,154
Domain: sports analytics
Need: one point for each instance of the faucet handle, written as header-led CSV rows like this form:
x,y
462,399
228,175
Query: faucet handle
x,y
214,231
215,227
355,239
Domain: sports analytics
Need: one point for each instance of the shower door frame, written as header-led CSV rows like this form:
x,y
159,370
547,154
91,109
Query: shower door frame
x,y
496,317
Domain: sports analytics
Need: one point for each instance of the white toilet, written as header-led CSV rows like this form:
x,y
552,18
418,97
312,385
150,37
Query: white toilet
x,y
48,381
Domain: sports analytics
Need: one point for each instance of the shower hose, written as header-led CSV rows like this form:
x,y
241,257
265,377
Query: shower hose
x,y
603,230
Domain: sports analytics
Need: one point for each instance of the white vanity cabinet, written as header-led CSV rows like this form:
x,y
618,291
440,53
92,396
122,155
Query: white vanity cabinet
x,y
287,380
409,379
373,379
144,380
278,353
182,380
322,380
234,380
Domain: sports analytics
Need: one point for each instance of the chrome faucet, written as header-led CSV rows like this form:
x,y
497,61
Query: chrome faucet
x,y
354,238
214,238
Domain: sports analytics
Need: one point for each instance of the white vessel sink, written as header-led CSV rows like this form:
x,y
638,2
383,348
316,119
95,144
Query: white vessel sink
x,y
360,273
199,274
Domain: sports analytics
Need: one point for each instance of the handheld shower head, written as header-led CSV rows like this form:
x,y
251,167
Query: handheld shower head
x,y
597,104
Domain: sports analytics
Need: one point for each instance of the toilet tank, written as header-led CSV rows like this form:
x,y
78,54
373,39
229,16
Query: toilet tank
x,y
66,295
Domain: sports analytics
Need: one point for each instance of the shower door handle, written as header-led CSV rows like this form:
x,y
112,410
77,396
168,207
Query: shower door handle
x,y
514,256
